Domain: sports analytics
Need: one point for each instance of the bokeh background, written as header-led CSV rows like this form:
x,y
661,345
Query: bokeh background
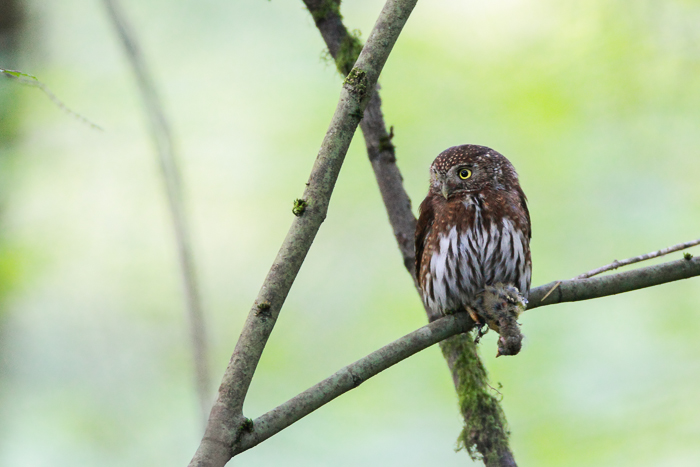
x,y
596,104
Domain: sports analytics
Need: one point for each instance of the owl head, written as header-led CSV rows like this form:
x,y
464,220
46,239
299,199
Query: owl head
x,y
471,169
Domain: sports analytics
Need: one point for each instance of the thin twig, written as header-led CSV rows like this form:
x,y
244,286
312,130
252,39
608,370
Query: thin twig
x,y
556,284
160,131
655,254
32,81
226,420
616,264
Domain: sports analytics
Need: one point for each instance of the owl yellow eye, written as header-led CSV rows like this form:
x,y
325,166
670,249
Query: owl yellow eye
x,y
465,174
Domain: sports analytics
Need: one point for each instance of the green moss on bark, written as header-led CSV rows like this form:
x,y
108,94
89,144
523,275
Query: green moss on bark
x,y
326,7
356,81
485,433
350,49
299,207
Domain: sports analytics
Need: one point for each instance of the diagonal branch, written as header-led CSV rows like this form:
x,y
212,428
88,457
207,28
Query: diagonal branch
x,y
226,419
160,131
487,421
344,48
352,376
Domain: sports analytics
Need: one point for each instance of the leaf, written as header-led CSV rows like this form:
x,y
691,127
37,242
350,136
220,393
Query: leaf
x,y
18,74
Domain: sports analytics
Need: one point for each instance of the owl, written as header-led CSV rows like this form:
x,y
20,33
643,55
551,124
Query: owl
x,y
473,230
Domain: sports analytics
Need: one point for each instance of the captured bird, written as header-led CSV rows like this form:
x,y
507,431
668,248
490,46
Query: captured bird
x,y
473,232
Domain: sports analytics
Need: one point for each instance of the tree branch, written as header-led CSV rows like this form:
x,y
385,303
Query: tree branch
x,y
228,432
350,377
226,421
344,48
468,372
160,131
447,328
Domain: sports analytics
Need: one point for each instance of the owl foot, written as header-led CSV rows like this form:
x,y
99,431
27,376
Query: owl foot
x,y
481,330
480,324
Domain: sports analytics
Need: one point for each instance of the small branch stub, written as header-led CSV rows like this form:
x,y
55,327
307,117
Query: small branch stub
x,y
385,143
263,309
299,207
247,426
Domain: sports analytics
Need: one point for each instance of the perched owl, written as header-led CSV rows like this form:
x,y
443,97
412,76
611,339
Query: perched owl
x,y
473,230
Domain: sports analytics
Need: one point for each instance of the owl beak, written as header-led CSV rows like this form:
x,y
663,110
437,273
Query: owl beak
x,y
445,190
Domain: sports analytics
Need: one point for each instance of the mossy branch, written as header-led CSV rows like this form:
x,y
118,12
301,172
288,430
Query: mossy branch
x,y
350,48
485,433
324,8
219,439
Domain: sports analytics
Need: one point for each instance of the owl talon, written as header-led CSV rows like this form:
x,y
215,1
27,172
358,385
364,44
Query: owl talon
x,y
481,330
475,317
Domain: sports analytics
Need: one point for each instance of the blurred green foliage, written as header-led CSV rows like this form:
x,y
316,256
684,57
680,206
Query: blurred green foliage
x,y
595,103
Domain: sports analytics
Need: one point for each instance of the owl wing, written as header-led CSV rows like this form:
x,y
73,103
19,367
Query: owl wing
x,y
425,223
523,204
